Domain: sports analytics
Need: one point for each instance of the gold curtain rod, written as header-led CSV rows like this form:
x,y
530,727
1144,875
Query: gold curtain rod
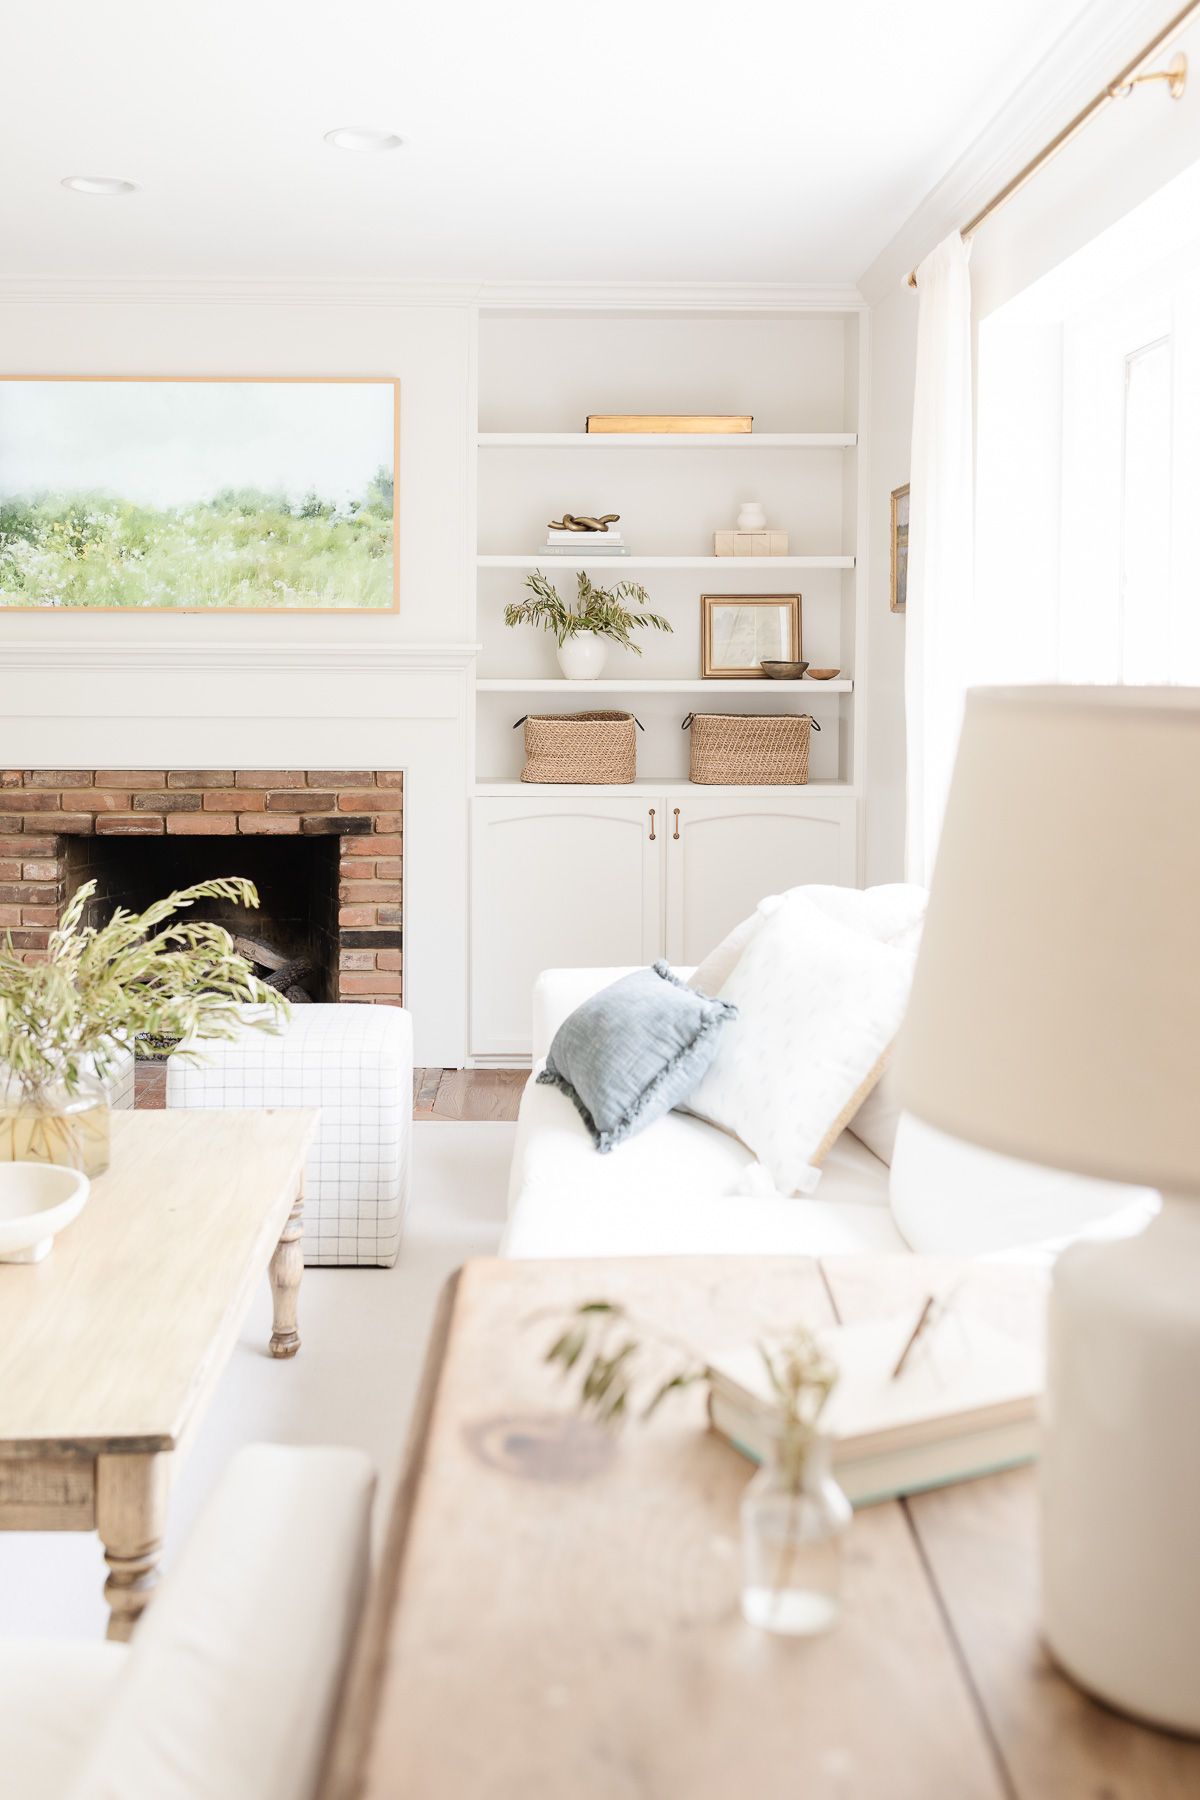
x,y
1119,88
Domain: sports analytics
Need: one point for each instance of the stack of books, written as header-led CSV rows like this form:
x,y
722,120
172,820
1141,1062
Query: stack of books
x,y
585,543
967,1405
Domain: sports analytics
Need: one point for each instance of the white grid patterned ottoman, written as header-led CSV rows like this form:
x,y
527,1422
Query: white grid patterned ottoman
x,y
355,1063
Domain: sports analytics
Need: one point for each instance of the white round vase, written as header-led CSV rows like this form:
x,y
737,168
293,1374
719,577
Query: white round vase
x,y
752,517
582,657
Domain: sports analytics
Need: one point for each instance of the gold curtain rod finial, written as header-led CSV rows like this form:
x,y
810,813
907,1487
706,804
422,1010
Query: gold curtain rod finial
x,y
1175,75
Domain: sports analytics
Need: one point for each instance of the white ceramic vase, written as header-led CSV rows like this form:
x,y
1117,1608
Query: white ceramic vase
x,y
582,657
1120,1470
752,517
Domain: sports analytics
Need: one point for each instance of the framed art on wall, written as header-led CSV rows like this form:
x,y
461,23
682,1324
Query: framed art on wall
x,y
738,632
198,494
899,589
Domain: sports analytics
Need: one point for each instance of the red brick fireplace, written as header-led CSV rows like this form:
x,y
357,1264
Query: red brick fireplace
x,y
323,846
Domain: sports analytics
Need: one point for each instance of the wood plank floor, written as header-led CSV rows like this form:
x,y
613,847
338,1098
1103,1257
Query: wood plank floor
x,y
437,1093
467,1093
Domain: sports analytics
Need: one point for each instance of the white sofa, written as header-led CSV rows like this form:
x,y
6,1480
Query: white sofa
x,y
678,1188
683,1187
229,1687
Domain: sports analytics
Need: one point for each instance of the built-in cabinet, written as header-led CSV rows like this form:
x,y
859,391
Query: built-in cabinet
x,y
563,880
621,875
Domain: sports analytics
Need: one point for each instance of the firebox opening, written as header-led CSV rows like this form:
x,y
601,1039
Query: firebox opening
x,y
296,879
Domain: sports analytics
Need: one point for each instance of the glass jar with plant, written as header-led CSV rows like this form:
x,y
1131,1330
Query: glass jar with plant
x,y
65,1023
793,1513
582,632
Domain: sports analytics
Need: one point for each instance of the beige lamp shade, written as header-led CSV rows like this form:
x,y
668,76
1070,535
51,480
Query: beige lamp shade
x,y
1055,1012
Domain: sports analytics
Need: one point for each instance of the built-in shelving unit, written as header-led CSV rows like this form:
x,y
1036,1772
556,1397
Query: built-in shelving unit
x,y
551,684
667,440
729,565
606,875
512,790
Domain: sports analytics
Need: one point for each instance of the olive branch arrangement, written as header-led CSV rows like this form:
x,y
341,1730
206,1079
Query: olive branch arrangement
x,y
149,976
601,610
627,1368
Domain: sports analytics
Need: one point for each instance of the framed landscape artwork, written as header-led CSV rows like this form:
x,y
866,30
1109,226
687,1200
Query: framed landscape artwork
x,y
899,594
198,495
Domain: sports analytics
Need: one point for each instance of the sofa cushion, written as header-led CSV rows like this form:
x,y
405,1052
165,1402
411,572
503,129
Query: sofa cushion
x,y
893,914
818,1007
955,1199
53,1698
678,1189
630,1053
229,1687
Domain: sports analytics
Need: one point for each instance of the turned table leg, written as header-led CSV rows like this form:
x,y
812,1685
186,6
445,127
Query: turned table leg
x,y
131,1509
287,1266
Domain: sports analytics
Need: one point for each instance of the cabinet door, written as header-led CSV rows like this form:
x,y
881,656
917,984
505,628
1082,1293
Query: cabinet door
x,y
732,851
556,882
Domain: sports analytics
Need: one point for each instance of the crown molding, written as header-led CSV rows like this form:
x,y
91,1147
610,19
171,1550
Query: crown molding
x,y
669,296
85,290
492,296
1105,35
50,656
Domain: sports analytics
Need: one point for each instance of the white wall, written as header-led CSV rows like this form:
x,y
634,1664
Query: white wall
x,y
254,690
893,364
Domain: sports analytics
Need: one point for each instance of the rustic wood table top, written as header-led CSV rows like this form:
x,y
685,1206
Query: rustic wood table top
x,y
558,1612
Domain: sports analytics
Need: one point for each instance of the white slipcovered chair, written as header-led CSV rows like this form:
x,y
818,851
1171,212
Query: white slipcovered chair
x,y
229,1687
355,1064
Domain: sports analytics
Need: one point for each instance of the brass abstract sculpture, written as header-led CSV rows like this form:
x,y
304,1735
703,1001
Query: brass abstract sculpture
x,y
583,522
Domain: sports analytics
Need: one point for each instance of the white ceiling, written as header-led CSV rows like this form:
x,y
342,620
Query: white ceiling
x,y
657,140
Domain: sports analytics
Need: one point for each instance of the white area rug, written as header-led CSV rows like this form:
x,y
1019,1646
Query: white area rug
x,y
363,1335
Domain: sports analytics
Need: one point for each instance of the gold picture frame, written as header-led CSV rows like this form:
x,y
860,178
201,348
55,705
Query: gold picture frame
x,y
898,591
343,554
734,649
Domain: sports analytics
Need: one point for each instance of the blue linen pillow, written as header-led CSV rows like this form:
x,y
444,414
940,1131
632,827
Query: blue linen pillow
x,y
634,1050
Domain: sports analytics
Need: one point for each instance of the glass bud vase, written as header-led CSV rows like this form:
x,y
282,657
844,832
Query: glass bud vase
x,y
54,1126
794,1516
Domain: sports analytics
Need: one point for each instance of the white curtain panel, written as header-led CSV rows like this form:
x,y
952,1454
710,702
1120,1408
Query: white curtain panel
x,y
940,544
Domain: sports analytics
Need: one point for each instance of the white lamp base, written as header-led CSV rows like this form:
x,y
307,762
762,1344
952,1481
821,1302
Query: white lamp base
x,y
1120,1470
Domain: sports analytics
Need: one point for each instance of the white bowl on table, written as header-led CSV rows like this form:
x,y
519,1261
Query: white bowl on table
x,y
37,1201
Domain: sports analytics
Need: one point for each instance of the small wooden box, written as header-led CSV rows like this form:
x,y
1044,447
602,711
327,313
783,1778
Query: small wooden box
x,y
750,543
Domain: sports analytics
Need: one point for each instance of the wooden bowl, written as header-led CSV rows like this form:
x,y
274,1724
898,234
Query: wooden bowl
x,y
823,674
783,671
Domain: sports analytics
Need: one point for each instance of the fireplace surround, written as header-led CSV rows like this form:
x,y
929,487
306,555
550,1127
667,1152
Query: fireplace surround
x,y
324,847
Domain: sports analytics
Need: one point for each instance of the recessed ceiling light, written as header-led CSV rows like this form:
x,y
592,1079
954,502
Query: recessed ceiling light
x,y
98,184
360,137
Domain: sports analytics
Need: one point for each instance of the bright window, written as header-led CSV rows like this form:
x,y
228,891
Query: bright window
x,y
1088,530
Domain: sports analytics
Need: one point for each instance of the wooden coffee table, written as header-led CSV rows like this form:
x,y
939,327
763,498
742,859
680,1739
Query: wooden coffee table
x,y
111,1347
559,1616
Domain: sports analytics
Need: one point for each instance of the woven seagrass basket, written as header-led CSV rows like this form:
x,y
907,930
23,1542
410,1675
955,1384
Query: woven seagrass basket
x,y
750,749
586,747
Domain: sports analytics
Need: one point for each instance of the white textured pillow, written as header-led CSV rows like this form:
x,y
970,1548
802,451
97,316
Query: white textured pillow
x,y
950,1198
819,1005
893,914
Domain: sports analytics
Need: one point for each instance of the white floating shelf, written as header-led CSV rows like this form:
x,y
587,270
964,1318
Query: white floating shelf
x,y
669,440
646,784
731,564
516,684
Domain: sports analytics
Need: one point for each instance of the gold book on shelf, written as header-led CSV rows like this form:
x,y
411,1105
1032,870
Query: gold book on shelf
x,y
711,424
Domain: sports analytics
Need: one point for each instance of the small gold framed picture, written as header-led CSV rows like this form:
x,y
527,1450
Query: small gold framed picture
x,y
739,632
899,595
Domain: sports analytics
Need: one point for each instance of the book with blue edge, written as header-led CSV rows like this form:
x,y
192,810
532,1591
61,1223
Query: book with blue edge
x,y
965,1403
